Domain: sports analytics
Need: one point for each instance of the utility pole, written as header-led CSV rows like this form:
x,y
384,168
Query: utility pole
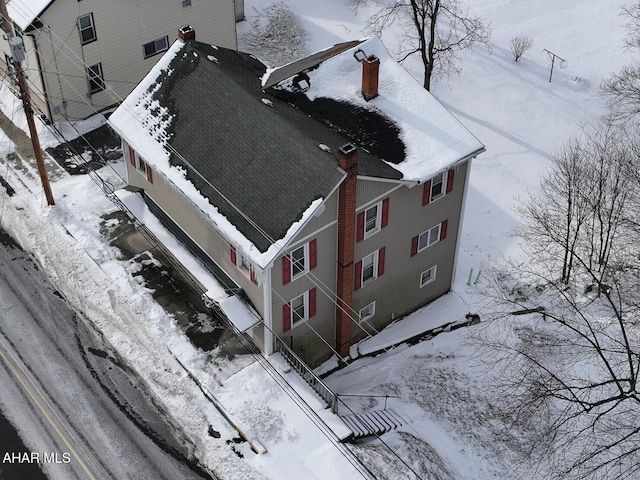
x,y
17,56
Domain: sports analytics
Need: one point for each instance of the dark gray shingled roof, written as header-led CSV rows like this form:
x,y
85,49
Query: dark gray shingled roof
x,y
258,151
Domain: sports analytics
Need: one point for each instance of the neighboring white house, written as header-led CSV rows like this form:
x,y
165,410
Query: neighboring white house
x,y
86,55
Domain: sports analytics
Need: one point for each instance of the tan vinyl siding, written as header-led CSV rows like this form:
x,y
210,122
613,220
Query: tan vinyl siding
x,y
314,224
398,291
301,337
369,190
122,28
187,216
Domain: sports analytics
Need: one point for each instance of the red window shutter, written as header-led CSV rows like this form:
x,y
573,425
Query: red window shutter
x,y
312,302
360,226
385,213
414,245
286,270
132,156
149,173
357,280
450,175
252,272
313,254
232,253
286,317
381,254
443,230
426,193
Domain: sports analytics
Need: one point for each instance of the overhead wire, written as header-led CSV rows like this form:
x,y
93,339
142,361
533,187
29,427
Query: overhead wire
x,y
353,315
314,279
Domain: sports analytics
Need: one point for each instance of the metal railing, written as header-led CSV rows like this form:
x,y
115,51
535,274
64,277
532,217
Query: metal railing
x,y
307,374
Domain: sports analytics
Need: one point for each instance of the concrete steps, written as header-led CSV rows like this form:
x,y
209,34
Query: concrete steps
x,y
374,422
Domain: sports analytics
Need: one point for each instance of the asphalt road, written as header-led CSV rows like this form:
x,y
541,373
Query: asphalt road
x,y
70,396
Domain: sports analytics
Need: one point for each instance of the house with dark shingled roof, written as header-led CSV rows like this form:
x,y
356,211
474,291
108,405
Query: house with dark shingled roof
x,y
327,194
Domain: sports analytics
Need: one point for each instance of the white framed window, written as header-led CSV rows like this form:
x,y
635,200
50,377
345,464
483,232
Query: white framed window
x,y
367,312
428,238
95,78
437,186
370,267
372,220
142,165
244,263
157,46
186,3
87,29
428,276
300,261
299,309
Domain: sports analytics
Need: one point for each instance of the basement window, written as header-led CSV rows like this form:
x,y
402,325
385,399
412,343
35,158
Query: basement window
x,y
428,276
186,3
367,312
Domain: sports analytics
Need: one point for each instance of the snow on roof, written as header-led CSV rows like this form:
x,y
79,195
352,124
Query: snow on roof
x,y
24,12
434,138
141,122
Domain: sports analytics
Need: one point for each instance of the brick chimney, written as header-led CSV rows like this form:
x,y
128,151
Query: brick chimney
x,y
186,33
370,69
348,161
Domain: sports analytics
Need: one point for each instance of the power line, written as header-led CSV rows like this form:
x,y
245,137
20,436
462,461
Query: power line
x,y
314,279
352,315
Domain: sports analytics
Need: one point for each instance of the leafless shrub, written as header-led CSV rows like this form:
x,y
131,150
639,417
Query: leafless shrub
x,y
519,45
277,36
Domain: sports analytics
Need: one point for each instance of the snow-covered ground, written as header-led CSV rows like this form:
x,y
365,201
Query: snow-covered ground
x,y
453,431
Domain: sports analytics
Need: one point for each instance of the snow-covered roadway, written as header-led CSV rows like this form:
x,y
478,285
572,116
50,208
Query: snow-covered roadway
x,y
78,408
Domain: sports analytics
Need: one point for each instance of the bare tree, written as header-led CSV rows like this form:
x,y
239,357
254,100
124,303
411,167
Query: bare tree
x,y
436,30
581,201
519,45
622,93
632,14
573,374
622,90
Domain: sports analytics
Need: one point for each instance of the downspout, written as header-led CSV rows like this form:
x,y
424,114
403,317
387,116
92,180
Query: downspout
x,y
267,317
462,210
